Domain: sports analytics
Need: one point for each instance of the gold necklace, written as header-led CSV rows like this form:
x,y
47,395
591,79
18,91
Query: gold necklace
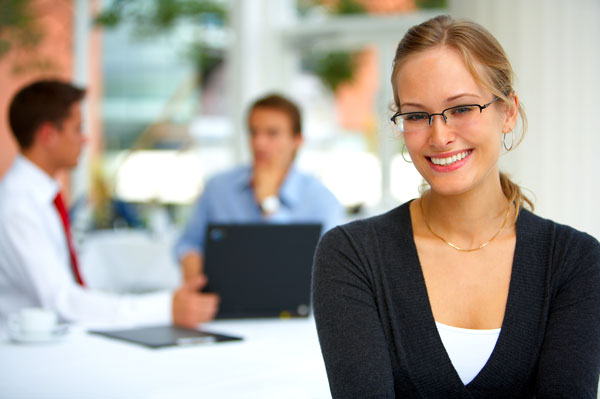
x,y
456,246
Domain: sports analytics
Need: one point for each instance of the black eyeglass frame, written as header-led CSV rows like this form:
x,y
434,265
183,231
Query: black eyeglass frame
x,y
430,116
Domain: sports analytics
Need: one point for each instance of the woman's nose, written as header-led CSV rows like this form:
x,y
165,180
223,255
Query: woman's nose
x,y
440,134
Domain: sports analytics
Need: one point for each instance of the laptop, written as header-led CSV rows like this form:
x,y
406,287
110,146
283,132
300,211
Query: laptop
x,y
260,270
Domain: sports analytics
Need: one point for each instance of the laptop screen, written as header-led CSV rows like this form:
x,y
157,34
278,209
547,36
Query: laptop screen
x,y
260,270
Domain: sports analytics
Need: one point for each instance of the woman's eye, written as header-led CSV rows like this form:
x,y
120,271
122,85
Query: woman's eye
x,y
461,110
415,117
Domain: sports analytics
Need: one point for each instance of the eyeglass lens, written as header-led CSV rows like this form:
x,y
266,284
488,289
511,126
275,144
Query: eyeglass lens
x,y
456,116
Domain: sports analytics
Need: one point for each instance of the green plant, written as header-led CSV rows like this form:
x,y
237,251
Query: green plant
x,y
17,27
339,7
155,17
349,7
21,35
206,59
333,68
158,16
425,4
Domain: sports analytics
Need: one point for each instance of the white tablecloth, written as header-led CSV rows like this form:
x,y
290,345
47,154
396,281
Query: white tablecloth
x,y
276,359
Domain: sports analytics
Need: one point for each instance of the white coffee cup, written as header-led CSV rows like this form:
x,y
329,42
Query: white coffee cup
x,y
32,323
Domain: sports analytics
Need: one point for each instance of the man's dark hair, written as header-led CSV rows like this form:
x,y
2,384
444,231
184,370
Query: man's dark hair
x,y
278,102
40,102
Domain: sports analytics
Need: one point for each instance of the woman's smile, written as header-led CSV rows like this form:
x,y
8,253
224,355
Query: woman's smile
x,y
450,161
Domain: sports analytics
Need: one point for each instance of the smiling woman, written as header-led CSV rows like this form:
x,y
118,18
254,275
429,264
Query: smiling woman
x,y
462,292
439,78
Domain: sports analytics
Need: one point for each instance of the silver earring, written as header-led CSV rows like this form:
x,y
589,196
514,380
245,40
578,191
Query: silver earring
x,y
512,140
402,153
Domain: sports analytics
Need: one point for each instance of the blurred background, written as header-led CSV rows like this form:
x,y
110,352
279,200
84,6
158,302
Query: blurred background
x,y
169,82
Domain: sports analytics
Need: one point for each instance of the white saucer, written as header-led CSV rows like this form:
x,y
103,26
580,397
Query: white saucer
x,y
59,332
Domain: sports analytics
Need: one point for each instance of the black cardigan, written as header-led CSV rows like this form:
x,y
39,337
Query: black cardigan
x,y
378,334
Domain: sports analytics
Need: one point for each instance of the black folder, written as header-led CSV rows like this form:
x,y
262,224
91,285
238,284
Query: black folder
x,y
162,336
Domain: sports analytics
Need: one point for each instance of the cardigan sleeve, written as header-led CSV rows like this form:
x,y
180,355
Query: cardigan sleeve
x,y
350,332
569,363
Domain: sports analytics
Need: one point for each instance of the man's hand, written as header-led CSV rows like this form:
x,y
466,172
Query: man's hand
x,y
191,307
192,265
266,179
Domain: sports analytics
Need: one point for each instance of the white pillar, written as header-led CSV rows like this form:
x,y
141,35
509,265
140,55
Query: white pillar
x,y
259,61
81,30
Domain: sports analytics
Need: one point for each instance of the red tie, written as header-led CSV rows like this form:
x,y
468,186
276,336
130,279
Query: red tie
x,y
62,211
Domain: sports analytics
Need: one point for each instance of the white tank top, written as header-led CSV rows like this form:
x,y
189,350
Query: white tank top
x,y
469,350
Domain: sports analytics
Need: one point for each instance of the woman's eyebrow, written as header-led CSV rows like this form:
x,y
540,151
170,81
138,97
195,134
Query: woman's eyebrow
x,y
456,97
448,100
417,105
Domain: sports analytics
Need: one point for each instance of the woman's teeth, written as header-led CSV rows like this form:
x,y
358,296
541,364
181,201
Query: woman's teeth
x,y
449,160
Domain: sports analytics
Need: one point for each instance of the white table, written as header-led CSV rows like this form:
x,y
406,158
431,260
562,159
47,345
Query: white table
x,y
276,359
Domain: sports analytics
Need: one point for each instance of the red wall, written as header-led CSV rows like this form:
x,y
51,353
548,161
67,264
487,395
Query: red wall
x,y
55,18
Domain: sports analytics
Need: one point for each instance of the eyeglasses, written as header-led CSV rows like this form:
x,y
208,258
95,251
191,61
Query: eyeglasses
x,y
460,115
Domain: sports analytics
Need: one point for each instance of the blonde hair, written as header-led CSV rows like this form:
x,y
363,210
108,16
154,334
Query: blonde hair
x,y
493,70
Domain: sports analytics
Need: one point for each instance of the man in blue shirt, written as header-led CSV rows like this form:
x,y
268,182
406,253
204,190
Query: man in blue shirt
x,y
272,190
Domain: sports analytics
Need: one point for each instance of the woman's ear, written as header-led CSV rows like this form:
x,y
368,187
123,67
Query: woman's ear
x,y
511,113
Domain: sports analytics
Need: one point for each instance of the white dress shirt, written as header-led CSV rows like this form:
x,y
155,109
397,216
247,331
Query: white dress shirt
x,y
35,267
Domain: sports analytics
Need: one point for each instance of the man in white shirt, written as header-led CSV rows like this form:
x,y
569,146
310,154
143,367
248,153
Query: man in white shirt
x,y
38,266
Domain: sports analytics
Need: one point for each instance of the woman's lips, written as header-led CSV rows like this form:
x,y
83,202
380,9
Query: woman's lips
x,y
449,162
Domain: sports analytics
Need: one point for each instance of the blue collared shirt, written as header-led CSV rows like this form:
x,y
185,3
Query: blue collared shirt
x,y
229,198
